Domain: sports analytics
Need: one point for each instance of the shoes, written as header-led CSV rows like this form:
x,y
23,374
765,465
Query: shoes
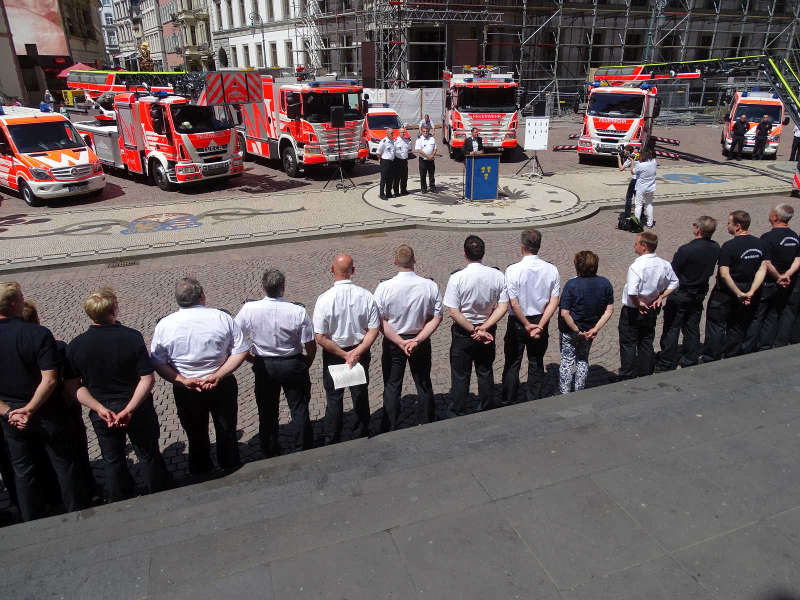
x,y
433,189
424,190
404,193
383,197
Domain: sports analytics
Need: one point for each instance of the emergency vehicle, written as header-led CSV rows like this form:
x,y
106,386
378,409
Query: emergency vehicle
x,y
754,104
292,122
94,83
616,117
380,118
42,156
183,134
480,98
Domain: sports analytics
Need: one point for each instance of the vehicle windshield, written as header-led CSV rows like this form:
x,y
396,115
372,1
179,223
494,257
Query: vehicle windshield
x,y
383,121
615,105
49,135
755,112
487,99
190,118
317,106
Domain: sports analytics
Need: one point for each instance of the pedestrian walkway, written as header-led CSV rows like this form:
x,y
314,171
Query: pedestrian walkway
x,y
679,485
98,234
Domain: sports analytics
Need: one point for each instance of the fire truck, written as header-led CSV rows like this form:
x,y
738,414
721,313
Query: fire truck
x,y
182,133
295,121
617,116
480,98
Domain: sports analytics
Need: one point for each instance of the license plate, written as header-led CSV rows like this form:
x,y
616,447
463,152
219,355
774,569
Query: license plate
x,y
77,186
215,169
606,148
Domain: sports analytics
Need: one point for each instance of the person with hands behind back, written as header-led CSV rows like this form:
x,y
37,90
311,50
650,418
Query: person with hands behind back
x,y
109,371
197,349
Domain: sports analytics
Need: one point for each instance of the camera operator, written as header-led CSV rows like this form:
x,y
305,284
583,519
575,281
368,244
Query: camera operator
x,y
625,158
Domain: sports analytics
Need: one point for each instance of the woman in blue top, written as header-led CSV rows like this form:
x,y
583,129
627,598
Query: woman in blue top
x,y
587,303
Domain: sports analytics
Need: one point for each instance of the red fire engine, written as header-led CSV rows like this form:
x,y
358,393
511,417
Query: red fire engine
x,y
483,99
178,136
294,121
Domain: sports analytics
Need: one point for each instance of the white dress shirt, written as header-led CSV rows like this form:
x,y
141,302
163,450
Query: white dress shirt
x,y
402,146
532,281
386,149
196,340
476,291
345,312
275,327
408,301
648,276
426,144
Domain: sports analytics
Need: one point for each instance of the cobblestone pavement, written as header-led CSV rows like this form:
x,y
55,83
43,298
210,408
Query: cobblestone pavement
x,y
231,276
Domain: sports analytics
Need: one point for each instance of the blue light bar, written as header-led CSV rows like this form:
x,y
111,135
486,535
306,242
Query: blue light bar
x,y
744,94
2,112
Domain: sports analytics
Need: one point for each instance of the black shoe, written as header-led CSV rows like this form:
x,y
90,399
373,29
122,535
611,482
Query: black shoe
x,y
433,189
382,197
404,193
424,190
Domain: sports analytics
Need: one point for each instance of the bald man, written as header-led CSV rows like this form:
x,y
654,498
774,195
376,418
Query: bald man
x,y
346,321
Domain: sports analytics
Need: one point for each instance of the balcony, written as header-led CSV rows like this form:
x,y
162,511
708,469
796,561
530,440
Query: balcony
x,y
202,51
191,15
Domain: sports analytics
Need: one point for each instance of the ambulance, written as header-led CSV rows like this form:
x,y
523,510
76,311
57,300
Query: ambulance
x,y
42,156
380,118
755,104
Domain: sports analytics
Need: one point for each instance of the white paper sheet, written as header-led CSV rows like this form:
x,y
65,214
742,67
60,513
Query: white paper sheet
x,y
344,376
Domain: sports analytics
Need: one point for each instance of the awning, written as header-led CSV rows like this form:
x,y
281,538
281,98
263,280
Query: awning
x,y
76,67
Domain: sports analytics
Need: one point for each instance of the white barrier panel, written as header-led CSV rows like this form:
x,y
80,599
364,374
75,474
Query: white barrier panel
x,y
411,104
432,103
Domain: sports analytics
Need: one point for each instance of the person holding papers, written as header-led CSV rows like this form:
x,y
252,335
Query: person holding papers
x,y
346,321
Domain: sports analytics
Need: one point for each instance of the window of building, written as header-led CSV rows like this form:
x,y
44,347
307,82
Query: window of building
x,y
286,12
260,55
273,54
234,56
229,12
246,55
242,15
109,20
270,10
218,14
289,54
193,35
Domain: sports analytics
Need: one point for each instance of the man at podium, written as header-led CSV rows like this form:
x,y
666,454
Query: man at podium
x,y
474,143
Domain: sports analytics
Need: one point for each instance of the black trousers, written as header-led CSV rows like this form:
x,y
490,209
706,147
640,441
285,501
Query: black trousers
x,y
682,313
289,373
517,342
193,411
49,428
736,146
758,149
727,325
143,432
400,176
387,175
636,334
774,316
795,154
629,195
464,352
393,364
334,411
427,168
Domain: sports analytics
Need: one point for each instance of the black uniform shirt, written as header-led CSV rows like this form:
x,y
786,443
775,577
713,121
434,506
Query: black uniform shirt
x,y
694,263
740,128
109,359
26,349
743,255
763,129
783,245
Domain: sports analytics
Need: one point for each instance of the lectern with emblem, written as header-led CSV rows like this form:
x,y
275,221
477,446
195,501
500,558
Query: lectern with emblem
x,y
481,176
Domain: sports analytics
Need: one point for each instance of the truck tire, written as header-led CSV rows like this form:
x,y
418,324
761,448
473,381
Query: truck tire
x,y
582,159
160,178
289,160
28,196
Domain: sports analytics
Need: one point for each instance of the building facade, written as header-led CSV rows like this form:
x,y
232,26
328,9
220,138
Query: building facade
x,y
11,83
152,32
83,31
128,20
109,33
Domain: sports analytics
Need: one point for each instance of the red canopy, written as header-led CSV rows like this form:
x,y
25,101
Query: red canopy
x,y
75,67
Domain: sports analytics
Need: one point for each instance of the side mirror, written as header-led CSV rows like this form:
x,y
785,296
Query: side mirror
x,y
5,148
293,110
785,120
657,108
88,139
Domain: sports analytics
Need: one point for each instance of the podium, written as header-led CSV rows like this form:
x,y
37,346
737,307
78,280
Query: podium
x,y
481,176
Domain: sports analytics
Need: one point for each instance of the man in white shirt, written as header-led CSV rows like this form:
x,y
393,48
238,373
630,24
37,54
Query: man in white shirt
x,y
346,322
650,280
197,349
644,171
402,146
534,288
411,309
795,153
426,147
426,122
474,143
477,298
279,331
386,158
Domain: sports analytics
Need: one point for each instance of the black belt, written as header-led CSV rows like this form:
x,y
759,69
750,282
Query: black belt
x,y
298,355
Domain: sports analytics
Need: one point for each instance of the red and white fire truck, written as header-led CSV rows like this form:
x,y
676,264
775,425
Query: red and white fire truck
x,y
480,98
617,116
293,122
180,136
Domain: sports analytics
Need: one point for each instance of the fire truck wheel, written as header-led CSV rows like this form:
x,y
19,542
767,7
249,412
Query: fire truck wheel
x,y
451,152
290,162
28,196
582,159
160,177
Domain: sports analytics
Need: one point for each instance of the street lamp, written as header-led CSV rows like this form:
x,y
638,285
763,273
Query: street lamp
x,y
255,19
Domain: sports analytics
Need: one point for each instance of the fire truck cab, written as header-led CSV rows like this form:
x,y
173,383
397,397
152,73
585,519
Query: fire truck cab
x,y
483,99
380,118
293,122
754,104
617,116
42,156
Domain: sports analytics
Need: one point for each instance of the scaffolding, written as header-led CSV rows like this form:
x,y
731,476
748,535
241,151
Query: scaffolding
x,y
553,46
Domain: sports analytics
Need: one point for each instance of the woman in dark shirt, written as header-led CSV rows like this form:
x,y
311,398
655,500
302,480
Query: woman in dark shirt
x,y
587,303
